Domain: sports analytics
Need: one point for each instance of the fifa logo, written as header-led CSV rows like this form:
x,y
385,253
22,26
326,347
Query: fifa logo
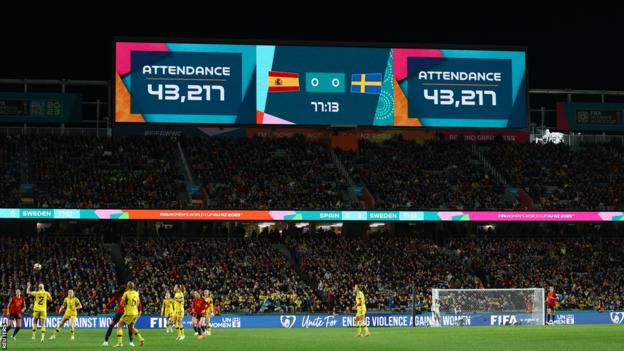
x,y
288,321
582,116
617,317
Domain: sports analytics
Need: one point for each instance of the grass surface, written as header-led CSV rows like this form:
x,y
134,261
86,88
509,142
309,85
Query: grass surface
x,y
550,338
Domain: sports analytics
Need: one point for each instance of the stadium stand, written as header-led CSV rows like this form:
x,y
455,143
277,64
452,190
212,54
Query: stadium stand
x,y
250,274
387,266
86,172
403,174
281,173
9,171
558,177
245,275
588,274
78,262
259,173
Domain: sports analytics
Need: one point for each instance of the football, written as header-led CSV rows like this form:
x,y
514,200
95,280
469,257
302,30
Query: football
x,y
37,266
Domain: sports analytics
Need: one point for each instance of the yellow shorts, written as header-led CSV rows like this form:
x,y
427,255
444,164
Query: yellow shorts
x,y
129,319
40,314
168,314
360,313
70,315
178,314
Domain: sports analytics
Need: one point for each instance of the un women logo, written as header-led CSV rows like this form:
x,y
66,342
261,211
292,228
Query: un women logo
x,y
617,317
288,321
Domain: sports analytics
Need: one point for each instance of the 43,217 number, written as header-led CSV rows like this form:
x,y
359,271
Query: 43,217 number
x,y
466,98
193,92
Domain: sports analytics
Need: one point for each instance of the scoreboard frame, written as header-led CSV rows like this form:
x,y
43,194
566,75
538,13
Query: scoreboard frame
x,y
320,43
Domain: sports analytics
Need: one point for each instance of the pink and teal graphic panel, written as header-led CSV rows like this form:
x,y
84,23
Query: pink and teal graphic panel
x,y
185,83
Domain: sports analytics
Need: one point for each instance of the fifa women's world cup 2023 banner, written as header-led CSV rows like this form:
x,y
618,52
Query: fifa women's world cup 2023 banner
x,y
232,84
304,215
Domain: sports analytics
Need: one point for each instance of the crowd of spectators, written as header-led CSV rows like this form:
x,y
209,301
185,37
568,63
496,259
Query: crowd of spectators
x,y
244,275
588,274
386,267
251,274
403,174
88,172
80,263
259,173
254,274
560,177
9,171
292,173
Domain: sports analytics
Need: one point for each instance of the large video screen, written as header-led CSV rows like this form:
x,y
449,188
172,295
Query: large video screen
x,y
229,84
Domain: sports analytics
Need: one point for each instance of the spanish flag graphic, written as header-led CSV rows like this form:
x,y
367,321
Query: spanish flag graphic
x,y
280,82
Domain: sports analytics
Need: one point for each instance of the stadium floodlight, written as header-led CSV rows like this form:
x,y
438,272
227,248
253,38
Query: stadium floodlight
x,y
450,307
550,137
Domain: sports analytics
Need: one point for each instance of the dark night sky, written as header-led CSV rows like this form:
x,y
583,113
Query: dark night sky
x,y
567,49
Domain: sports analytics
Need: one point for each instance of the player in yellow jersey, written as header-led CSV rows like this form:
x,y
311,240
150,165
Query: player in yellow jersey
x,y
166,310
40,309
71,304
130,301
360,314
209,312
178,310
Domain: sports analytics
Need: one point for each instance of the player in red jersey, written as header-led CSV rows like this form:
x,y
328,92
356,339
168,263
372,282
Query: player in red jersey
x,y
199,307
116,300
551,303
17,306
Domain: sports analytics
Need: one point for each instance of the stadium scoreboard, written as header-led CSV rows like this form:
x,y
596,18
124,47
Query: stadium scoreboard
x,y
232,84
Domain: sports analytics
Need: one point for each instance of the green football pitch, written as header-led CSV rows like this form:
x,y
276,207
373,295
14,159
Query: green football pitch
x,y
550,338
